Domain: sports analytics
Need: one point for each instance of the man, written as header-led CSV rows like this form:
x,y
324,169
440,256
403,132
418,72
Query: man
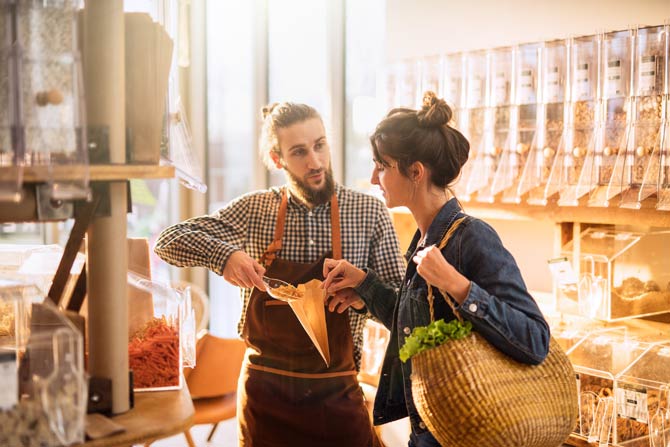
x,y
287,394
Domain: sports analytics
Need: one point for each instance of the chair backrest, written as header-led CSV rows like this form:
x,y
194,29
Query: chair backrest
x,y
218,363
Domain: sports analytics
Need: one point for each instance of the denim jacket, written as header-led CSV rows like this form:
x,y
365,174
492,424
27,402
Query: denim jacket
x,y
498,305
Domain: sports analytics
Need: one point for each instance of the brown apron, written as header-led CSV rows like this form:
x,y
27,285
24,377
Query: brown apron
x,y
287,396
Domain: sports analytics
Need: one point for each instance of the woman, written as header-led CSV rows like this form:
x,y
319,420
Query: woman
x,y
417,157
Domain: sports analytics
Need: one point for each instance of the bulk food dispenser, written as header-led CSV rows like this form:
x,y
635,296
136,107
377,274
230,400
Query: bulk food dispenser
x,y
430,75
597,360
454,87
641,160
551,119
499,118
472,121
523,123
44,392
400,85
11,180
607,159
579,134
51,122
641,396
619,274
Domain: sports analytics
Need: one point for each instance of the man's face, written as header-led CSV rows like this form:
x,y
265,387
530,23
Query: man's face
x,y
305,156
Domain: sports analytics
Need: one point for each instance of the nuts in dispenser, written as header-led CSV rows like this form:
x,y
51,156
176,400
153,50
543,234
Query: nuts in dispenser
x,y
154,354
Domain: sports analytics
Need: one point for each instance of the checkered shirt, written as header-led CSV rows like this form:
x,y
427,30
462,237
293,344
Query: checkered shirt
x,y
248,223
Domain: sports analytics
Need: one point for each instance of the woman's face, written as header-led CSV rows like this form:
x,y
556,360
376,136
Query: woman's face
x,y
396,188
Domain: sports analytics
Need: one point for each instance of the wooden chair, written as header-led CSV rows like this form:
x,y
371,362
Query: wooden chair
x,y
213,382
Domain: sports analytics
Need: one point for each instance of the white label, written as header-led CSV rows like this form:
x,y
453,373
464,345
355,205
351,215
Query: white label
x,y
475,91
614,78
526,87
631,403
582,87
553,85
500,88
647,73
9,391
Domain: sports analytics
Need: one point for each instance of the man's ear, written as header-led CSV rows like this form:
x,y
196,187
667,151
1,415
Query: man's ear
x,y
276,159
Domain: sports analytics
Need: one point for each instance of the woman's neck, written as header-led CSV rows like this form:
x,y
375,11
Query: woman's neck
x,y
427,206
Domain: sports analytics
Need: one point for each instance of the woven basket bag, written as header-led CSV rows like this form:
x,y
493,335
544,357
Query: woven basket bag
x,y
470,394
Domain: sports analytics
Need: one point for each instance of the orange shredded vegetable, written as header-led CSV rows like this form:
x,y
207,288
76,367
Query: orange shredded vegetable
x,y
154,355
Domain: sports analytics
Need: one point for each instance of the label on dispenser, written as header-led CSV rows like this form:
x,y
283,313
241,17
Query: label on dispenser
x,y
526,87
647,74
582,87
500,88
631,402
553,85
614,78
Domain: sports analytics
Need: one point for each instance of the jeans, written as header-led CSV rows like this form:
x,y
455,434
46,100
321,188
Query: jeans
x,y
424,439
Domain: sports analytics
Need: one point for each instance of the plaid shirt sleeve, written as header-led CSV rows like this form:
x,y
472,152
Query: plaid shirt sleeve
x,y
206,241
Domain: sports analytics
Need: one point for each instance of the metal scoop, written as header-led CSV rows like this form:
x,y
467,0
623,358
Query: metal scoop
x,y
272,284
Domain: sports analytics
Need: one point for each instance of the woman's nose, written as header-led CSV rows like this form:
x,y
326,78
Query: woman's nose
x,y
374,177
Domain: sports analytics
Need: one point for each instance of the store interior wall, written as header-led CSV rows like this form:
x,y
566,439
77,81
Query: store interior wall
x,y
431,27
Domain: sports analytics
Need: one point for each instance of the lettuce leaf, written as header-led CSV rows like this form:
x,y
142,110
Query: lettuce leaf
x,y
433,335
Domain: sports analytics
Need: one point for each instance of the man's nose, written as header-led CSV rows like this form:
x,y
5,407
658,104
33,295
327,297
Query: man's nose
x,y
313,160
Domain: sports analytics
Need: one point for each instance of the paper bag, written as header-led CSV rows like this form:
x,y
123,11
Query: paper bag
x,y
311,312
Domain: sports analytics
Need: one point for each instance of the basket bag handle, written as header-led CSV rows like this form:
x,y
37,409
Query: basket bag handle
x,y
430,297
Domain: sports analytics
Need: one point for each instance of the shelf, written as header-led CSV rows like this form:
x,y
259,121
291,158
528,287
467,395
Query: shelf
x,y
646,215
38,174
157,414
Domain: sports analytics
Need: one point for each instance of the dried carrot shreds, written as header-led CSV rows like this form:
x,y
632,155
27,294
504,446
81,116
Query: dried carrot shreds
x,y
154,354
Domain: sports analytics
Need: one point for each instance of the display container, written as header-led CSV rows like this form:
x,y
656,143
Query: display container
x,y
500,116
579,136
401,85
161,334
641,161
615,122
430,74
620,274
597,360
526,111
473,122
44,392
51,99
552,116
664,167
11,164
641,396
568,330
454,87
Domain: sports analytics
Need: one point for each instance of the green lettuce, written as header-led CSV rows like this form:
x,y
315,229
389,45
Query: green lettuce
x,y
433,335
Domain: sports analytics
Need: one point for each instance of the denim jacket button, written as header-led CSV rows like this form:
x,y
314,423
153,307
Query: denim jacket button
x,y
472,308
407,331
422,425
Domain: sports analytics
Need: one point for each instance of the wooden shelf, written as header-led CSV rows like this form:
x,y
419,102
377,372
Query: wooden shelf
x,y
38,174
157,414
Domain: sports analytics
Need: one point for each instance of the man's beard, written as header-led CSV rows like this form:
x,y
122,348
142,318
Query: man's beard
x,y
309,195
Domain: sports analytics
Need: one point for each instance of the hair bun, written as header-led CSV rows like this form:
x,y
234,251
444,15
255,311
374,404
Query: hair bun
x,y
268,109
435,112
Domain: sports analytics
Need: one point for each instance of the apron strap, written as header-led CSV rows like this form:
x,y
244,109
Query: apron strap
x,y
281,372
272,250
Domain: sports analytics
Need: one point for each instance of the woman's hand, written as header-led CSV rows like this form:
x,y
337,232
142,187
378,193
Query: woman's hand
x,y
340,279
340,274
432,267
343,299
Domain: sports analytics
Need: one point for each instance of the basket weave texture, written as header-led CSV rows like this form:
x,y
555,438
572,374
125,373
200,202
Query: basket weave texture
x,y
471,394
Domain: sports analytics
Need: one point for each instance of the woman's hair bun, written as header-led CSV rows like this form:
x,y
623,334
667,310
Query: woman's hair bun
x,y
267,110
435,112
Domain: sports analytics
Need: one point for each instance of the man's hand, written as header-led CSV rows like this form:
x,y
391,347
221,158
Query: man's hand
x,y
343,299
244,271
